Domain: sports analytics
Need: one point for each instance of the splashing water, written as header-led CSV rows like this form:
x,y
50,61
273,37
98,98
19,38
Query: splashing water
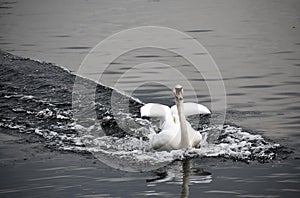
x,y
132,152
41,105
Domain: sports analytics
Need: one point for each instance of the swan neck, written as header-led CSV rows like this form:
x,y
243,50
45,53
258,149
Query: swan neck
x,y
184,141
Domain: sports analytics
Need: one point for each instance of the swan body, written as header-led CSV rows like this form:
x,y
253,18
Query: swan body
x,y
177,132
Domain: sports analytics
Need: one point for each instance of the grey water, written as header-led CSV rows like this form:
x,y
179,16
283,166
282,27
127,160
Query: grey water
x,y
255,45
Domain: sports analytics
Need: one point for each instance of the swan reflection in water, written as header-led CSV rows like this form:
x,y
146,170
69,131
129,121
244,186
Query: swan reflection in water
x,y
185,177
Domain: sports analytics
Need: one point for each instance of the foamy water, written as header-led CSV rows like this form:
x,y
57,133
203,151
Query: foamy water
x,y
132,151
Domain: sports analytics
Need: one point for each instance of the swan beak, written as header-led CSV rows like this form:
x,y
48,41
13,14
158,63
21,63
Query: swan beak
x,y
178,91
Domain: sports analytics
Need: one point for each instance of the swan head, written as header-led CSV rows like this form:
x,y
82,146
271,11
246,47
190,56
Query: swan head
x,y
178,93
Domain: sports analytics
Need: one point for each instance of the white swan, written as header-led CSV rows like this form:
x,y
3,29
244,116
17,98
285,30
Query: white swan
x,y
176,133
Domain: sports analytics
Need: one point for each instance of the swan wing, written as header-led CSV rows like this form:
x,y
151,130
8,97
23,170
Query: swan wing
x,y
194,136
155,110
191,109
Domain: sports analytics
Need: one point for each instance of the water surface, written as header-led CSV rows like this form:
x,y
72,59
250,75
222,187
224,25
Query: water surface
x,y
255,45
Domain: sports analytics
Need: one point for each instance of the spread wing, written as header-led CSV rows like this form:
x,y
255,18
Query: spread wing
x,y
191,109
155,110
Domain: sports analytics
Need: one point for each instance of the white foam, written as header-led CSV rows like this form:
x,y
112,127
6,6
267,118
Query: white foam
x,y
133,150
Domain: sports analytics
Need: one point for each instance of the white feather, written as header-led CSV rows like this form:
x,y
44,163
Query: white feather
x,y
155,110
191,109
170,135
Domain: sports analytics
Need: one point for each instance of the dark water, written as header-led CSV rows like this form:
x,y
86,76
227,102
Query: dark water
x,y
256,46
